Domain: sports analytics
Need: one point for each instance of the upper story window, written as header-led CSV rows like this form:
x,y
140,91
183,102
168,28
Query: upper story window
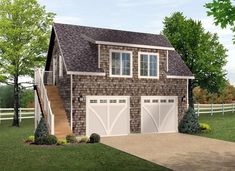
x,y
121,63
148,65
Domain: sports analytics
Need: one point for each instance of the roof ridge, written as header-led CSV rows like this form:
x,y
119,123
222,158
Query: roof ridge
x,y
102,28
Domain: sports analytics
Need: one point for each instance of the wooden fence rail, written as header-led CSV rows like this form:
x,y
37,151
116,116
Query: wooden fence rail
x,y
214,108
8,113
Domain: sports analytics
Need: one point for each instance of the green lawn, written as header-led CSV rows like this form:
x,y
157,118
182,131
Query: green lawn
x,y
15,155
223,126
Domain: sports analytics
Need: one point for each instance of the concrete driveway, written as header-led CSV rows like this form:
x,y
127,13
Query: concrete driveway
x,y
178,151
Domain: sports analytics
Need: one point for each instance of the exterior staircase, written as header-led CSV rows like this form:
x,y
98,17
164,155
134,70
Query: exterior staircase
x,y
61,123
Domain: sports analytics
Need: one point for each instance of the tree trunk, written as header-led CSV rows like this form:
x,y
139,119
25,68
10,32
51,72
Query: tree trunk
x,y
190,93
16,102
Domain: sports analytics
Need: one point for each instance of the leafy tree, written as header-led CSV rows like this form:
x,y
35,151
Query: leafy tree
x,y
6,96
200,50
24,34
223,12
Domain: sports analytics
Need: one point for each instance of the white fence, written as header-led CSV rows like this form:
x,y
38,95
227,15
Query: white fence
x,y
8,113
214,108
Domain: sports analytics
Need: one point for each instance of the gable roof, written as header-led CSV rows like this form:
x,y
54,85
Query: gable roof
x,y
78,45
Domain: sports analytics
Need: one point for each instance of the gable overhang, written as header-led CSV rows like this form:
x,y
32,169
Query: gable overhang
x,y
50,50
133,45
86,73
180,77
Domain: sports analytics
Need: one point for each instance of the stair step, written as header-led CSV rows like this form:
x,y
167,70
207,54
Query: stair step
x,y
62,127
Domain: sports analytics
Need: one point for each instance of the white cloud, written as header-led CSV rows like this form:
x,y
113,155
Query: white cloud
x,y
69,20
159,3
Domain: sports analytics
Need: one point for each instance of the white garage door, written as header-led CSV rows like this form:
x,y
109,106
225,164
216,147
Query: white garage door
x,y
159,114
108,115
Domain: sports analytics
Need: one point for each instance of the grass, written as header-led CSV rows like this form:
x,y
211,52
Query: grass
x,y
223,126
15,155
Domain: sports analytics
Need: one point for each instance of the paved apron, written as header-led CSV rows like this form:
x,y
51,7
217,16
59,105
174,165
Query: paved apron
x,y
178,151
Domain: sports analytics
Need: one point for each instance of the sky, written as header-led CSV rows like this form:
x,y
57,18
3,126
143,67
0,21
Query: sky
x,y
139,15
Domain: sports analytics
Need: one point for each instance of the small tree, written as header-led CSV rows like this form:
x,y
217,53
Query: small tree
x,y
189,124
24,35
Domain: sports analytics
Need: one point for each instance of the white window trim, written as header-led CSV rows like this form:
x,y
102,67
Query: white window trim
x,y
110,63
148,53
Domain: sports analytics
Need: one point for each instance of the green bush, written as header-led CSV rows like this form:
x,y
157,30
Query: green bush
x,y
40,132
49,140
62,142
83,139
205,127
30,139
94,138
189,124
71,139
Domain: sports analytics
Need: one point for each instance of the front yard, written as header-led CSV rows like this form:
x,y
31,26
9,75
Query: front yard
x,y
15,155
223,126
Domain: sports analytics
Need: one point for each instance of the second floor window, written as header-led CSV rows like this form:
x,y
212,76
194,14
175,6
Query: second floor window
x,y
148,65
121,63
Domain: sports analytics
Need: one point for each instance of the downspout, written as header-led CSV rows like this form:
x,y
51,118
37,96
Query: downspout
x,y
99,56
71,102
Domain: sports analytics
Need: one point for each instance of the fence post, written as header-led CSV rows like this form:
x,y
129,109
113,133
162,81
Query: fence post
x,y
211,109
0,116
20,114
198,114
223,108
232,107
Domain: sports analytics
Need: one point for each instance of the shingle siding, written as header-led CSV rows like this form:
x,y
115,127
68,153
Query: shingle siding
x,y
133,87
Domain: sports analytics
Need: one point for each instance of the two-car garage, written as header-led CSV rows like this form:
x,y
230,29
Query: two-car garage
x,y
110,115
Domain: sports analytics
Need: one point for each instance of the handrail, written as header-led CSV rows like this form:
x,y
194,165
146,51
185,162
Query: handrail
x,y
39,100
45,100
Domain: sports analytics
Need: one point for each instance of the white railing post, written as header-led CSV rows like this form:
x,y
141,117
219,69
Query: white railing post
x,y
0,116
211,109
52,125
198,114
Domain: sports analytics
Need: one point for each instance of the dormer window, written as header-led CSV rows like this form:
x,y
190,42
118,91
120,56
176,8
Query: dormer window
x,y
148,65
120,63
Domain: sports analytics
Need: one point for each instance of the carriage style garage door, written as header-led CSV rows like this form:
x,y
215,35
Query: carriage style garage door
x,y
108,115
159,114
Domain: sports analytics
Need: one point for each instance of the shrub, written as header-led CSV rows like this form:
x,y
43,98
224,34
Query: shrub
x,y
71,139
29,139
205,127
62,142
94,138
83,139
49,140
41,131
189,124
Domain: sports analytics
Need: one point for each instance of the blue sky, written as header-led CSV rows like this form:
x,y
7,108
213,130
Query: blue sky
x,y
138,15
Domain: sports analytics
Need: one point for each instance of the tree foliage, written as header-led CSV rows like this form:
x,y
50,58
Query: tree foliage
x,y
7,97
201,51
24,36
204,97
223,12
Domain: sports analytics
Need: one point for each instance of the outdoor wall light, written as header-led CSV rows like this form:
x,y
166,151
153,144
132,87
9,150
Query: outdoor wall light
x,y
183,99
81,98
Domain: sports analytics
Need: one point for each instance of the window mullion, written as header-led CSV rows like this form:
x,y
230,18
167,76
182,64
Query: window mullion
x,y
120,63
148,65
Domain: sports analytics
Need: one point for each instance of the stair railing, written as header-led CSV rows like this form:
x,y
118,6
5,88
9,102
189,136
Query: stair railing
x,y
39,81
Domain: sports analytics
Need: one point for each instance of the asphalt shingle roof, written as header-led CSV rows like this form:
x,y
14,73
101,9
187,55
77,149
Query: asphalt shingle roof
x,y
82,55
